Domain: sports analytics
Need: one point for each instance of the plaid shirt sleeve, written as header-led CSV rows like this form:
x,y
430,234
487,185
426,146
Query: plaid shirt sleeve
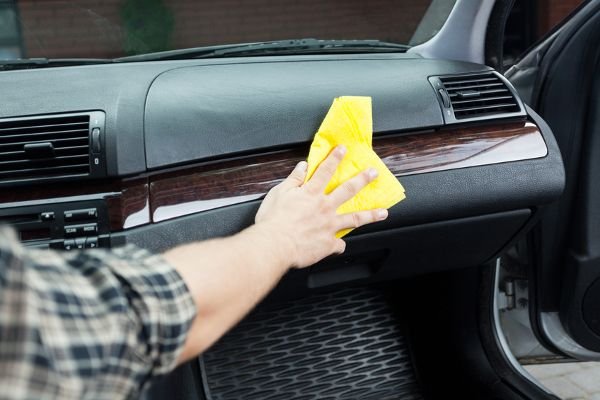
x,y
93,324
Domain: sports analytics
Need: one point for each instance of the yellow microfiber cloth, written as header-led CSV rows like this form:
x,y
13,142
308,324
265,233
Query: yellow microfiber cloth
x,y
350,122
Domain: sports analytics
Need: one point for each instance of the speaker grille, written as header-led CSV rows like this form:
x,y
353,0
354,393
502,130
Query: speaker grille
x,y
342,345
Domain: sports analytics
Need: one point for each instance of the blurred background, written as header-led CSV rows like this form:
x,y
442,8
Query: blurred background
x,y
113,28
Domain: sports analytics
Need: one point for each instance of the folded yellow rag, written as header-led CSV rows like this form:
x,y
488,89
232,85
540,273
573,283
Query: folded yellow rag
x,y
350,122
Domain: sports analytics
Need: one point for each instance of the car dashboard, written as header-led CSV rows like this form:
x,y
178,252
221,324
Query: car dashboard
x,y
163,153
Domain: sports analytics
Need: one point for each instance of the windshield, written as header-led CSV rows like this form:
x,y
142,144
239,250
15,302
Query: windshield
x,y
118,28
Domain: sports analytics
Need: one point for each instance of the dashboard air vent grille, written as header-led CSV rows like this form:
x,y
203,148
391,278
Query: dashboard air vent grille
x,y
52,147
479,95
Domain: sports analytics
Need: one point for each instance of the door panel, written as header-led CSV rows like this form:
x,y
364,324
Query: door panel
x,y
563,75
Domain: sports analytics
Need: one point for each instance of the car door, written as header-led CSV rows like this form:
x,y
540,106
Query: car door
x,y
559,79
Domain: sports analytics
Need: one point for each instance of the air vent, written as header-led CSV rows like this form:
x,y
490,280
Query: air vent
x,y
41,148
478,95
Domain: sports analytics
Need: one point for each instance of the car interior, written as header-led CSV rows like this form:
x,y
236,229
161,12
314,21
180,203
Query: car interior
x,y
499,166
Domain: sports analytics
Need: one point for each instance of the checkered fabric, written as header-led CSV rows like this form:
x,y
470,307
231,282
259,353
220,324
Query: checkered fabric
x,y
92,324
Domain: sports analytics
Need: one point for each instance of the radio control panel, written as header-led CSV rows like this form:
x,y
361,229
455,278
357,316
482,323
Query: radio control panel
x,y
64,226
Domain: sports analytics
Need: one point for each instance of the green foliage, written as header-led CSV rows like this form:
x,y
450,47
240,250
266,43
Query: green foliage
x,y
148,26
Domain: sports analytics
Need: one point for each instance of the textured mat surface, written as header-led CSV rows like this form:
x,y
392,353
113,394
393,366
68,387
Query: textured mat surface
x,y
341,345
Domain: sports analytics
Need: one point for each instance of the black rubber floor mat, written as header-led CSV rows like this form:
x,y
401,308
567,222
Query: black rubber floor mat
x,y
342,345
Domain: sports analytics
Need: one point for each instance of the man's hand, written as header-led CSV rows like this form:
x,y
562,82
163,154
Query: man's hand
x,y
295,227
305,218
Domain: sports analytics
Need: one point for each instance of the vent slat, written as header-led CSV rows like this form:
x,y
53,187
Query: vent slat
x,y
479,95
46,161
61,141
469,109
482,99
459,82
15,130
80,168
484,92
476,86
69,136
21,155
80,133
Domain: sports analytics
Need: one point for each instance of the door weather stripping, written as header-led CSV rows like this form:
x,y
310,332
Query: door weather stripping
x,y
556,334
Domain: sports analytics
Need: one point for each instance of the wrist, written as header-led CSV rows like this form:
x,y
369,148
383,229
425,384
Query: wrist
x,y
278,244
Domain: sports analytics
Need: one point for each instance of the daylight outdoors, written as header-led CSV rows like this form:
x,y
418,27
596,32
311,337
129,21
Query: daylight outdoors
x,y
115,28
122,121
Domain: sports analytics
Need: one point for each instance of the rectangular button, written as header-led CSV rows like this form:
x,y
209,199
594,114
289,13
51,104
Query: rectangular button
x,y
47,216
90,228
80,215
80,243
81,230
96,143
91,242
72,230
445,98
69,244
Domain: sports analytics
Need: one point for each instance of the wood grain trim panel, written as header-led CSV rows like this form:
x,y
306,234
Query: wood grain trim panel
x,y
209,186
127,200
461,148
164,195
130,207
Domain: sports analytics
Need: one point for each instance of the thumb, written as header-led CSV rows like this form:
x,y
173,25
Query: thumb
x,y
298,175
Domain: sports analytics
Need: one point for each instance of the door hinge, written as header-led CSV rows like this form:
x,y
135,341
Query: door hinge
x,y
514,294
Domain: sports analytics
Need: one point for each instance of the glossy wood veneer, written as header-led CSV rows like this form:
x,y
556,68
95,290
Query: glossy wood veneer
x,y
127,199
208,186
164,195
130,206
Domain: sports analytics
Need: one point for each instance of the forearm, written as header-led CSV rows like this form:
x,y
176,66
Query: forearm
x,y
296,226
227,278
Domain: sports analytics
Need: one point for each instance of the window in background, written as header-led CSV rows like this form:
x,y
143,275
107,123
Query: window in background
x,y
436,15
10,35
115,28
529,21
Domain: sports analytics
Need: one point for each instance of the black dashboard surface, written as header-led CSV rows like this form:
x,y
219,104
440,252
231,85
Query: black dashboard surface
x,y
194,109
160,114
207,111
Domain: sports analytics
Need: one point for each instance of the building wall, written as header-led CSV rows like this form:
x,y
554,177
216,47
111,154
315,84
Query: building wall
x,y
93,28
553,11
55,28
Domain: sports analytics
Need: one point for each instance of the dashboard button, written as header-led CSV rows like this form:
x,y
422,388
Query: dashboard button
x,y
81,230
80,215
96,144
89,228
47,216
69,244
72,230
91,242
80,243
445,98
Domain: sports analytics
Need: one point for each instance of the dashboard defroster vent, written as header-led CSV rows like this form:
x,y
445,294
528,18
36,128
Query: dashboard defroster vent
x,y
48,147
476,96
